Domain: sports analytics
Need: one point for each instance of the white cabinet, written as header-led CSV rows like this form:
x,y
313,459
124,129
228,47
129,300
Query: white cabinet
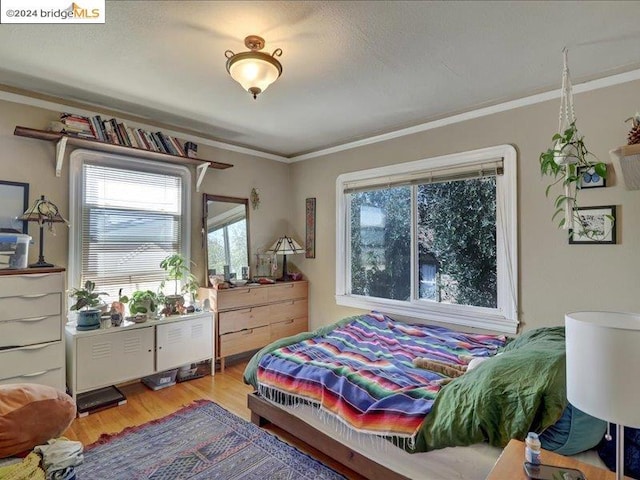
x,y
31,340
103,357
107,359
184,342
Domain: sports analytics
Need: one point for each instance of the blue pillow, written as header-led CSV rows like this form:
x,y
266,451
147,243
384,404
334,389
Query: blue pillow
x,y
607,451
573,433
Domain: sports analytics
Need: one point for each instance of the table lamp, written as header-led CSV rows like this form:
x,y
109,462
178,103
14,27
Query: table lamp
x,y
603,361
285,246
43,211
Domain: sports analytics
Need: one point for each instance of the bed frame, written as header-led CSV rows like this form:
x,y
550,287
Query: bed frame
x,y
263,412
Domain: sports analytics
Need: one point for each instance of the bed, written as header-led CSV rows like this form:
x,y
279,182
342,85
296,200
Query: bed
x,y
353,390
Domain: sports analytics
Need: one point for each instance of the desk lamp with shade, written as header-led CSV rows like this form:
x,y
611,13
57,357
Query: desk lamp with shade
x,y
285,246
603,361
44,212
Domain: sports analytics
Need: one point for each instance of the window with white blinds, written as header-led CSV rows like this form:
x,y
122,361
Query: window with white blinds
x,y
128,215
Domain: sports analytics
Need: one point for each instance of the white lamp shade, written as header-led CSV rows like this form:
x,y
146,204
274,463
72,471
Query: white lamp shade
x,y
286,246
254,72
603,365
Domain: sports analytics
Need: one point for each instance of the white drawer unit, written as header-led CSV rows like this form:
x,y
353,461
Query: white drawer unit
x,y
31,326
103,357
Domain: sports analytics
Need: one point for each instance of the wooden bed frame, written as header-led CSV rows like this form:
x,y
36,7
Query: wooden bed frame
x,y
263,412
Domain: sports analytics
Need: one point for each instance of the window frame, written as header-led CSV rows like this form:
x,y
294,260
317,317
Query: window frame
x,y
76,190
504,318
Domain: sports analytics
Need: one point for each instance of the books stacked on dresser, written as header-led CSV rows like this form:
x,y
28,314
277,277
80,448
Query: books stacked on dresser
x,y
119,133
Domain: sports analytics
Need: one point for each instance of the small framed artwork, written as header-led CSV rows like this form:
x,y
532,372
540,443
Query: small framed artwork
x,y
310,221
590,179
14,201
598,225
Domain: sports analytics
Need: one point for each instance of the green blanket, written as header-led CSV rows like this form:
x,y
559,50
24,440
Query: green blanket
x,y
522,389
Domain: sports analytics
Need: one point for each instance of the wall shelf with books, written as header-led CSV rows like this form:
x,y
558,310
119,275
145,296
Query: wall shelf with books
x,y
63,139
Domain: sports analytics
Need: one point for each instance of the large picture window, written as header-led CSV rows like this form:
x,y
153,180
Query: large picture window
x,y
127,215
433,239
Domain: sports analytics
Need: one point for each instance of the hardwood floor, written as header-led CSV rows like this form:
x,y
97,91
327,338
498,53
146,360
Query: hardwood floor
x,y
144,405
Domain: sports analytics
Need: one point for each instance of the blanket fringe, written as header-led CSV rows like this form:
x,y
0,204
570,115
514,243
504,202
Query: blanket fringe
x,y
339,425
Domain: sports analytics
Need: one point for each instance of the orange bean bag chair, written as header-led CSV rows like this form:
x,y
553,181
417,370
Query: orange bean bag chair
x,y
31,414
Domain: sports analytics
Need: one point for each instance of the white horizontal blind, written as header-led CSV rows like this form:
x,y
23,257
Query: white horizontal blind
x,y
131,220
484,168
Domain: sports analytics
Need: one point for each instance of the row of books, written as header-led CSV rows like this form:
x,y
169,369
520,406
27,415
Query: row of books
x,y
112,131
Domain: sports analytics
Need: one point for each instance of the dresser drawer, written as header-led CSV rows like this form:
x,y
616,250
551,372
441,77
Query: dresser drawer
x,y
37,305
52,378
288,291
29,331
241,297
288,310
236,320
243,341
287,328
32,284
31,361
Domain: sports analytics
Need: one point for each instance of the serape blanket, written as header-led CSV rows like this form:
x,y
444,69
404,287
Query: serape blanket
x,y
362,372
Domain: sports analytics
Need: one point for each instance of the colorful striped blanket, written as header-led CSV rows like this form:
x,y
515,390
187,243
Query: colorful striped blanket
x,y
362,372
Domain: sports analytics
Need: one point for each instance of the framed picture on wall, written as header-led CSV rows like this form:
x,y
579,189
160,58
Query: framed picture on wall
x,y
599,224
590,179
14,201
310,220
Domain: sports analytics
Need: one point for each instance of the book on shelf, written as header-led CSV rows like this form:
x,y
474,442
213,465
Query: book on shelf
x,y
191,150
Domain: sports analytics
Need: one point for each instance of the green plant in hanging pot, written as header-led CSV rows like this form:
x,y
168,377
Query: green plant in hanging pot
x,y
87,303
564,162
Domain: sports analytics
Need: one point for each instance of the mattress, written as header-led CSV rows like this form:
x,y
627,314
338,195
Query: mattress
x,y
473,462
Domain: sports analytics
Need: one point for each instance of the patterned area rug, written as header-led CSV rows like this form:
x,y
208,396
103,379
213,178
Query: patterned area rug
x,y
201,441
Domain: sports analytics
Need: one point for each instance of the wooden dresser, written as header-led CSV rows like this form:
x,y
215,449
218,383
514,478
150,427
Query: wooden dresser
x,y
31,326
250,317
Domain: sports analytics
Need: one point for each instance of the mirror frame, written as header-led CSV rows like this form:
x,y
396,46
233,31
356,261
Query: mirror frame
x,y
206,198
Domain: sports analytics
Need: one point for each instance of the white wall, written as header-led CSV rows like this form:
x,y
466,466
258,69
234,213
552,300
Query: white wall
x,y
554,277
33,161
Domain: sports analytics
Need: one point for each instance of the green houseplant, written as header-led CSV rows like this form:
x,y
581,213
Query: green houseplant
x,y
177,269
87,301
143,302
563,161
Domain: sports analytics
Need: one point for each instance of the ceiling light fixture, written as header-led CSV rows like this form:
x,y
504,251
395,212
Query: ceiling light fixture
x,y
254,70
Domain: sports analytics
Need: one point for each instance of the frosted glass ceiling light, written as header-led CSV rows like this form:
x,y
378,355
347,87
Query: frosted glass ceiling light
x,y
254,70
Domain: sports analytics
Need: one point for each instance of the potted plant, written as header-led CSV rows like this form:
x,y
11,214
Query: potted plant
x,y
563,162
143,302
87,301
178,270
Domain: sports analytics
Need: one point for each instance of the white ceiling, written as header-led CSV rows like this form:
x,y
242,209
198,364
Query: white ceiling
x,y
351,69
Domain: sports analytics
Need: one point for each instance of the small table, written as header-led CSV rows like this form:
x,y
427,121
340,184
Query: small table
x,y
510,464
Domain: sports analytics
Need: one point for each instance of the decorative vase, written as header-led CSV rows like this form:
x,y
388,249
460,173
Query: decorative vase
x,y
88,319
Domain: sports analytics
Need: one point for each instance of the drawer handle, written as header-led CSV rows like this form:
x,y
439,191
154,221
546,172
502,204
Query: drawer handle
x,y
248,331
31,276
37,374
35,295
35,347
34,319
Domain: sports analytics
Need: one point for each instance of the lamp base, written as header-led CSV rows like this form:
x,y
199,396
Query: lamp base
x,y
41,264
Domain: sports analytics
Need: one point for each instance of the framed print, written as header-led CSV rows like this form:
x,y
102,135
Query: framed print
x,y
598,225
14,201
590,179
310,220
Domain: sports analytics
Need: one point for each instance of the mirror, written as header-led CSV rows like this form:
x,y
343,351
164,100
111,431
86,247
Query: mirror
x,y
226,228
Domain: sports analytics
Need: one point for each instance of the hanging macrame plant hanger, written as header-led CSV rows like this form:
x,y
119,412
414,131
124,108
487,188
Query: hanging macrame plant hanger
x,y
565,153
